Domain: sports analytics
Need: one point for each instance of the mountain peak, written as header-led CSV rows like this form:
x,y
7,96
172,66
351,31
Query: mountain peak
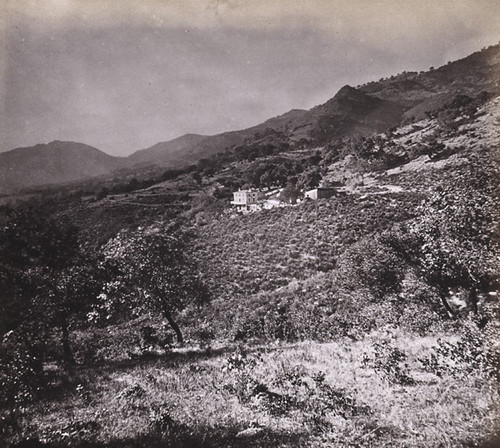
x,y
348,93
347,90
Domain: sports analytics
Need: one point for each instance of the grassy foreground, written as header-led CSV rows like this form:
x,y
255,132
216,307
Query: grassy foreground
x,y
387,390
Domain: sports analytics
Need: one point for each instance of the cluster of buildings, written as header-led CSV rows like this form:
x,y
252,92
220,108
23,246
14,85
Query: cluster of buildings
x,y
254,200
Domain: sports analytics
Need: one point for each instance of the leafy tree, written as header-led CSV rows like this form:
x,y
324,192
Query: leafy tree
x,y
197,178
289,194
47,277
310,178
374,265
154,273
46,282
452,243
266,180
208,166
280,174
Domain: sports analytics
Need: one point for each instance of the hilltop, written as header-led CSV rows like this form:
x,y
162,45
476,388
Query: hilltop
x,y
53,163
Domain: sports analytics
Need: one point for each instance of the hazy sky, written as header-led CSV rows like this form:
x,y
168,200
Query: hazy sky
x,y
123,75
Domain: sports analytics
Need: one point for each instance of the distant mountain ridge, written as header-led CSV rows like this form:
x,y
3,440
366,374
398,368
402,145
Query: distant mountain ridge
x,y
371,108
349,112
53,163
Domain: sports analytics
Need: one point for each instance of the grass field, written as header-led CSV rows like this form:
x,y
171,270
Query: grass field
x,y
388,390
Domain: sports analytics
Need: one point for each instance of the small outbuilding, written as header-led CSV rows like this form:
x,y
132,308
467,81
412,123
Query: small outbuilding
x,y
321,193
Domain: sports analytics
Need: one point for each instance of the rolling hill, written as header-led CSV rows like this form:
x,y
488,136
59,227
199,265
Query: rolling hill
x,y
52,163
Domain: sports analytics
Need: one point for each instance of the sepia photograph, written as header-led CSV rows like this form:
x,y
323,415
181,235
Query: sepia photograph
x,y
249,223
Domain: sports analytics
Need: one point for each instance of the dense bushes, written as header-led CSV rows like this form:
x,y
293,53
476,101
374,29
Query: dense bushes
x,y
389,259
270,249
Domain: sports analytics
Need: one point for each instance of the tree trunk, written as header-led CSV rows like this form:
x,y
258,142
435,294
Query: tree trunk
x,y
443,296
68,357
174,326
473,299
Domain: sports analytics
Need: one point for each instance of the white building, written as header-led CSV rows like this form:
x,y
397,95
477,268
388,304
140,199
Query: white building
x,y
245,200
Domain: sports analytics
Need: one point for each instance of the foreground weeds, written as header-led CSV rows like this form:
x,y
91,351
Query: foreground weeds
x,y
387,390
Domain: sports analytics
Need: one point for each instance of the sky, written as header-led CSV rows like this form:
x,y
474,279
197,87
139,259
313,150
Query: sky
x,y
123,75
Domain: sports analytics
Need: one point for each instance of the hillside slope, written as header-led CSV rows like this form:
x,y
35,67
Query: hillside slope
x,y
169,151
368,109
367,319
296,259
430,90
